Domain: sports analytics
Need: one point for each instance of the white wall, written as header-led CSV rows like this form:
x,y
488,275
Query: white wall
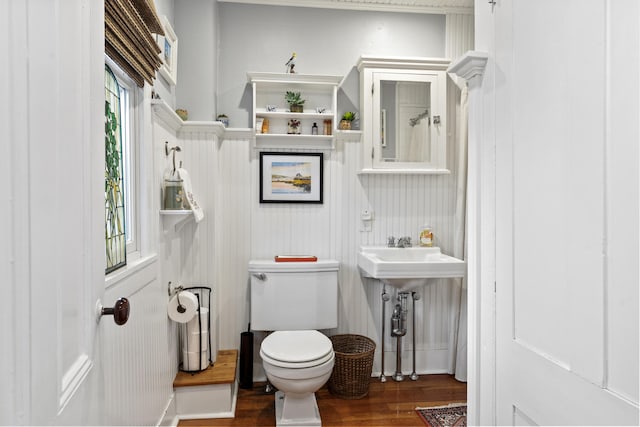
x,y
262,38
197,57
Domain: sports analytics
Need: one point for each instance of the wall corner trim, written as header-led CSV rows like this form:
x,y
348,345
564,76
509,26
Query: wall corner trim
x,y
469,65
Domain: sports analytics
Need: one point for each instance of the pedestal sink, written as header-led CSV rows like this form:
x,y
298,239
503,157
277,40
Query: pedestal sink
x,y
405,269
408,268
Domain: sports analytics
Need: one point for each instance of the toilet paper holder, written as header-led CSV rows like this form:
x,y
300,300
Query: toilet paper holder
x,y
176,290
196,351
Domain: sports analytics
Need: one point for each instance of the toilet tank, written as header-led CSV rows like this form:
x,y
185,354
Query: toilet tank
x,y
293,295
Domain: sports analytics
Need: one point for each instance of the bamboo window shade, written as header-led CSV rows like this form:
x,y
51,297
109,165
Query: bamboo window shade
x,y
128,40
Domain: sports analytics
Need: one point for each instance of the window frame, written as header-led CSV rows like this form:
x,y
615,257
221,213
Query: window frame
x,y
131,126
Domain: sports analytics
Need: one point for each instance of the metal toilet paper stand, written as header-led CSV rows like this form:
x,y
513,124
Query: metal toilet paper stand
x,y
195,335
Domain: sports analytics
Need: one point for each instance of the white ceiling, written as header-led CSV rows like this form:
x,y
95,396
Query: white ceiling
x,y
415,6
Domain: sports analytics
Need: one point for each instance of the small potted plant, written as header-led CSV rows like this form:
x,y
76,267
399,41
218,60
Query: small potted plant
x,y
295,101
347,118
183,114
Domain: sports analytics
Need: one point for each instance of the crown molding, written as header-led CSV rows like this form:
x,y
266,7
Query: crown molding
x,y
469,65
406,6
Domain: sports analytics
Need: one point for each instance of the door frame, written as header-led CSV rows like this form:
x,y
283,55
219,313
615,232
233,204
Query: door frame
x,y
473,67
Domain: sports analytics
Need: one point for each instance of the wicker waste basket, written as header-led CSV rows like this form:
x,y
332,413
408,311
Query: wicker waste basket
x,y
353,363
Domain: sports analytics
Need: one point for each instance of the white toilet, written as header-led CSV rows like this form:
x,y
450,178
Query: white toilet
x,y
294,299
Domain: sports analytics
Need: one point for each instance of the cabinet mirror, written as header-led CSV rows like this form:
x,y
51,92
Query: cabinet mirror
x,y
404,115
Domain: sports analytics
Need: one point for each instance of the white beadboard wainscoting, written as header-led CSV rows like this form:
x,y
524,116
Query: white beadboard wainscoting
x,y
237,228
186,252
136,356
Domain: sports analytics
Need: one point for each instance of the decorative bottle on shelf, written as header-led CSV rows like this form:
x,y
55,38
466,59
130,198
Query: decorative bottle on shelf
x,y
314,129
327,127
426,236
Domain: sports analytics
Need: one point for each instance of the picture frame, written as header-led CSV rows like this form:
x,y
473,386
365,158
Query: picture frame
x,y
168,45
291,177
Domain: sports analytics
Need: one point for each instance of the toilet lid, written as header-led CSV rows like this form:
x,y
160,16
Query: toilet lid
x,y
296,346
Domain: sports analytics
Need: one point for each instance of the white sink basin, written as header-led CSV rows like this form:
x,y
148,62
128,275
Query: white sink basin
x,y
408,268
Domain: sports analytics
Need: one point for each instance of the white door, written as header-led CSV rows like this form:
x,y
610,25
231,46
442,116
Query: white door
x,y
53,157
567,190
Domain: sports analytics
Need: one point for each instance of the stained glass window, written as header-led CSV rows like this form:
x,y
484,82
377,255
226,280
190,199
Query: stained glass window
x,y
115,236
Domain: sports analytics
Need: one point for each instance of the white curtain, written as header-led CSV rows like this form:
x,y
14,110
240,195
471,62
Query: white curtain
x,y
459,39
458,332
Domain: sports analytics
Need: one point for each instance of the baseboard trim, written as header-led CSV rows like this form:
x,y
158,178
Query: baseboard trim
x,y
228,414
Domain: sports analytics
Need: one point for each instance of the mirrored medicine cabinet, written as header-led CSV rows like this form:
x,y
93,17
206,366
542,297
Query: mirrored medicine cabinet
x,y
403,120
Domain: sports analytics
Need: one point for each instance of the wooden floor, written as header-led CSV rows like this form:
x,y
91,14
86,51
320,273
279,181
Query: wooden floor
x,y
388,404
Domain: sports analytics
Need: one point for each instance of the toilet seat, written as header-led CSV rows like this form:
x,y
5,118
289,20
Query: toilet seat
x,y
296,349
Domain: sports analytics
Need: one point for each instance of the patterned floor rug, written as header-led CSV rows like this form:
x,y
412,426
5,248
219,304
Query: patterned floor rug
x,y
444,416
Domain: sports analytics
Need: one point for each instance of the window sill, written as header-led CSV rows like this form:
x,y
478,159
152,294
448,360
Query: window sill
x,y
141,266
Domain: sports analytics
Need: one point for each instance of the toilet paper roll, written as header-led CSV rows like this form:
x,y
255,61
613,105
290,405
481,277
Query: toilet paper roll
x,y
194,361
194,327
189,303
197,341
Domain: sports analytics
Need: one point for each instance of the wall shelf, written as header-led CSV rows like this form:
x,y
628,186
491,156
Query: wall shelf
x,y
174,219
320,94
261,112
164,112
294,141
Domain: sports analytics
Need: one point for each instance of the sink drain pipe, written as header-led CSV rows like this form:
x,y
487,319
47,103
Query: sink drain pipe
x,y
398,330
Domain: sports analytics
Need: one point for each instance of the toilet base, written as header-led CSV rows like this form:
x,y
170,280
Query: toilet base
x,y
295,410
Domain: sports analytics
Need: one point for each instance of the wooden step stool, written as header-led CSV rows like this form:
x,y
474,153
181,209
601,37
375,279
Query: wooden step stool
x,y
211,393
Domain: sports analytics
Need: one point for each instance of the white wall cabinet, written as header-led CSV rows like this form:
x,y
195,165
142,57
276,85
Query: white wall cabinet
x,y
269,104
404,120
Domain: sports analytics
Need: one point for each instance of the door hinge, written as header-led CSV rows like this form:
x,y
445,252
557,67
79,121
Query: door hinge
x,y
372,86
373,150
494,287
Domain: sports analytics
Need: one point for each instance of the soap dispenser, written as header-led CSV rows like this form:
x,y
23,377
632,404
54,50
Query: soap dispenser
x,y
426,236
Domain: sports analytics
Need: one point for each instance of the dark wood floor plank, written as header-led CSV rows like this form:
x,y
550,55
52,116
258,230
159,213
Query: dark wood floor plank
x,y
387,404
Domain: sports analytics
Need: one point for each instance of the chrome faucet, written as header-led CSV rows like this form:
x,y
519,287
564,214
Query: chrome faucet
x,y
404,242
